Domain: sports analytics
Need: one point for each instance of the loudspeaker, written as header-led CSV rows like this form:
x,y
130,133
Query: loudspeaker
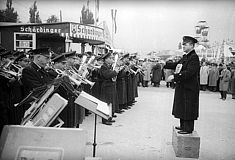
x,y
21,142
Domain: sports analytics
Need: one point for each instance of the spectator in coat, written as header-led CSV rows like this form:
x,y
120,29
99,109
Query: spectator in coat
x,y
156,74
213,77
220,68
147,71
233,81
224,82
204,72
169,72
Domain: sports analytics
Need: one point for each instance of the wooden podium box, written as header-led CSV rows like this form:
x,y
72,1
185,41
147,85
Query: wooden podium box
x,y
186,145
21,142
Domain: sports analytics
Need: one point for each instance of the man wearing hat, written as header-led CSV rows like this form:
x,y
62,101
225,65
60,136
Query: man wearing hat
x,y
23,60
35,74
121,83
186,99
108,86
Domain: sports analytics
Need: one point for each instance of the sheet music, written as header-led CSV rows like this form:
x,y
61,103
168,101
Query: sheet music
x,y
101,106
178,68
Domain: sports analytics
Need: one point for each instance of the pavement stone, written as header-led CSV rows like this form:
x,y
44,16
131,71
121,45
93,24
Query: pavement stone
x,y
144,132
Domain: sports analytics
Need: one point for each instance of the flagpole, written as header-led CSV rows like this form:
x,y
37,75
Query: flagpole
x,y
112,25
95,12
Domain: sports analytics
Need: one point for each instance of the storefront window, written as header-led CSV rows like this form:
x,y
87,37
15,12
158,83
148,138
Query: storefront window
x,y
24,41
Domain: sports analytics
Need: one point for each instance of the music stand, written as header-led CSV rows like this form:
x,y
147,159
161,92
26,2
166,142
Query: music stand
x,y
97,107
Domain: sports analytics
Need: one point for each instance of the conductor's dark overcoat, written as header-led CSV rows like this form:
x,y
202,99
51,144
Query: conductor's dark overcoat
x,y
186,100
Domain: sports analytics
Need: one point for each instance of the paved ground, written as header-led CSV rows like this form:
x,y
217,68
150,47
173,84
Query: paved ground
x,y
145,131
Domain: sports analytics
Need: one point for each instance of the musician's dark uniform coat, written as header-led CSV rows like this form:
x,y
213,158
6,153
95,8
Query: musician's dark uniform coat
x,y
108,87
186,100
33,77
121,88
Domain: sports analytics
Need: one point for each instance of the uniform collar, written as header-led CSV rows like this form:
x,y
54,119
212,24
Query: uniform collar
x,y
190,53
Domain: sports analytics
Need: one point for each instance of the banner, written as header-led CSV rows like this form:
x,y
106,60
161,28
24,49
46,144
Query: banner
x,y
97,8
114,13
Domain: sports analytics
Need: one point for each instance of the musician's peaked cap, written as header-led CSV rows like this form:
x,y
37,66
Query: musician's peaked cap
x,y
6,54
70,54
125,56
187,39
21,57
2,49
132,57
106,55
41,51
59,58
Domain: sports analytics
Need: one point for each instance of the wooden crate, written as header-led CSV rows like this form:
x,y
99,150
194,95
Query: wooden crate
x,y
186,145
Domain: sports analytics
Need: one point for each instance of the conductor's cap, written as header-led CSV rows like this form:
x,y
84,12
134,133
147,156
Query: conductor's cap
x,y
189,39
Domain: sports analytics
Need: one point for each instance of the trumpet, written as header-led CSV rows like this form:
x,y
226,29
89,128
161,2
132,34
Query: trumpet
x,y
18,67
60,72
8,74
92,67
76,75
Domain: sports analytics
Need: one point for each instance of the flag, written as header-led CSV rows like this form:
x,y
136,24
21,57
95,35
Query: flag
x,y
114,13
115,22
97,7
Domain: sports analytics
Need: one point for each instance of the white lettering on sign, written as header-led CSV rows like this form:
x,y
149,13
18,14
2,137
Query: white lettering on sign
x,y
79,30
42,29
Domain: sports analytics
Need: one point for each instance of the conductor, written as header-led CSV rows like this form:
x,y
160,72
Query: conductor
x,y
186,76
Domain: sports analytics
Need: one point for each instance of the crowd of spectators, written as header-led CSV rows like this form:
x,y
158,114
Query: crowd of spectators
x,y
214,77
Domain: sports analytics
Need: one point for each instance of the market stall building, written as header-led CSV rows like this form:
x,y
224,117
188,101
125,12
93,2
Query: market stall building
x,y
57,36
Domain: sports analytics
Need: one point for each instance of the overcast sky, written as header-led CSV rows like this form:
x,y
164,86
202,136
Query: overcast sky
x,y
145,26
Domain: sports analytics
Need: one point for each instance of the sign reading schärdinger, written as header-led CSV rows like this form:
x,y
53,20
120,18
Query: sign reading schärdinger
x,y
69,29
39,29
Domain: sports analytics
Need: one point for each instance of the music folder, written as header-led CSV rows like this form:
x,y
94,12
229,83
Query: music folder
x,y
94,105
